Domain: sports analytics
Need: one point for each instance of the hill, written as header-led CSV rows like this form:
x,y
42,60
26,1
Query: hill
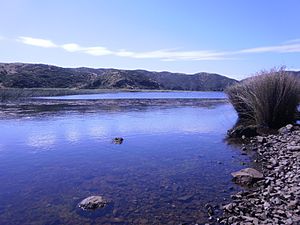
x,y
21,75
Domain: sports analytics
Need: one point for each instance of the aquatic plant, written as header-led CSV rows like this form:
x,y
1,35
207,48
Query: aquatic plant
x,y
269,99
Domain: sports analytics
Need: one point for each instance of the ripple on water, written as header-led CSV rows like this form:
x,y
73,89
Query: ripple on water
x,y
172,162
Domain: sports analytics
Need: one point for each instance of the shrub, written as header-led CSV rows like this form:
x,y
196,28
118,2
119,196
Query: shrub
x,y
269,99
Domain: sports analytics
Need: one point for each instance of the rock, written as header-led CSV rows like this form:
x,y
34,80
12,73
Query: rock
x,y
185,198
261,139
293,148
93,202
292,204
247,176
229,207
266,205
210,209
118,140
274,200
289,127
118,220
283,130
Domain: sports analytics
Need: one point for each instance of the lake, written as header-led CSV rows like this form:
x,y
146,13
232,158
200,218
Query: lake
x,y
146,95
173,160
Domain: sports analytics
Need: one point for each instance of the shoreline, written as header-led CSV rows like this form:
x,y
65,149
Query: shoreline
x,y
275,199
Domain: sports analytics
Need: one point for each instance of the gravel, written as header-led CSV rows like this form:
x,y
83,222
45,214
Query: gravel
x,y
275,199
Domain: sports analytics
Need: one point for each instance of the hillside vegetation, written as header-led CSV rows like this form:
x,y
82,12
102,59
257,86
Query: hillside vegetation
x,y
20,75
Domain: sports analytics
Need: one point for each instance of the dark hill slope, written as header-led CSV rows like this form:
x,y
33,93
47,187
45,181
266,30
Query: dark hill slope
x,y
195,82
20,75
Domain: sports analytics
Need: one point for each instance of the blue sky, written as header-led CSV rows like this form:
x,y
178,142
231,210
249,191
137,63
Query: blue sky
x,y
234,38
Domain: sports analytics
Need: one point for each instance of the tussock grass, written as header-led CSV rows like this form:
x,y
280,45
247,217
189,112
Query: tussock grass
x,y
269,99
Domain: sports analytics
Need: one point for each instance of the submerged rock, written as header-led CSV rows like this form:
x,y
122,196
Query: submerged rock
x,y
185,198
247,176
118,140
93,202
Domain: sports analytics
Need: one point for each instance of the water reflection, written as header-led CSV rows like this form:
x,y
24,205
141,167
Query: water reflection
x,y
45,132
40,133
72,134
164,172
98,131
41,141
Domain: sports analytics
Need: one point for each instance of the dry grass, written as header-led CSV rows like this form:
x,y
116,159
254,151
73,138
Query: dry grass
x,y
269,99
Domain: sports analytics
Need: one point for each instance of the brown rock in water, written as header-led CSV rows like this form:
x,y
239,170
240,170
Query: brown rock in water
x,y
93,202
247,176
118,140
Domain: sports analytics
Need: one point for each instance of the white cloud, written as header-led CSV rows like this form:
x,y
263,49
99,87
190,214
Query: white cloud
x,y
97,51
179,55
72,47
163,54
124,53
292,46
37,42
292,41
286,48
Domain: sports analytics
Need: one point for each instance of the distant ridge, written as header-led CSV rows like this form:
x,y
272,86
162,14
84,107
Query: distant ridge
x,y
23,75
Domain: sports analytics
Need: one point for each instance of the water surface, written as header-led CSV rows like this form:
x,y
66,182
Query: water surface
x,y
147,95
172,162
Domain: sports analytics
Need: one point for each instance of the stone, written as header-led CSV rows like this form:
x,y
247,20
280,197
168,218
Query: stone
x,y
185,198
289,221
118,140
261,139
283,130
266,205
292,204
229,207
274,199
93,202
289,127
118,220
293,148
247,176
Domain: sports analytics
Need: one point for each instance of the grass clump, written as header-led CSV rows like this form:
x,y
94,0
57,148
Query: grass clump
x,y
269,99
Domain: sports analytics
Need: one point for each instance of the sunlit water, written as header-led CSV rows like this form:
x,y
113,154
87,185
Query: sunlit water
x,y
146,95
172,162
